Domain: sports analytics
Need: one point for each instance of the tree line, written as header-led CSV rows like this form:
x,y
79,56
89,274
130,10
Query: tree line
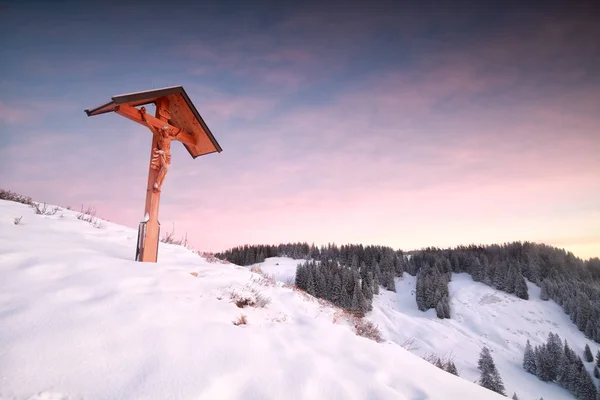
x,y
556,362
572,283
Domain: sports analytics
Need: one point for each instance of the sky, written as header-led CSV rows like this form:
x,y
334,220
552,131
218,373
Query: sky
x,y
391,123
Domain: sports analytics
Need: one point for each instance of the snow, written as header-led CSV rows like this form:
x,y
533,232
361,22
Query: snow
x,y
481,316
80,320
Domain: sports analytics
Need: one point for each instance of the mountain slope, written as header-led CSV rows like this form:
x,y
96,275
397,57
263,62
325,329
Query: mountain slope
x,y
481,316
80,320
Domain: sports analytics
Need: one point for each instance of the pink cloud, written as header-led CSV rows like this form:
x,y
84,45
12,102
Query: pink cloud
x,y
30,111
14,114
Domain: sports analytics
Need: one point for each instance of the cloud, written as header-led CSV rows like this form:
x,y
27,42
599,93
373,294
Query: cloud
x,y
13,114
31,111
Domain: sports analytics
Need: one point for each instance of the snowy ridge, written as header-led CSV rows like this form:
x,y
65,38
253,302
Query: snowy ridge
x,y
80,320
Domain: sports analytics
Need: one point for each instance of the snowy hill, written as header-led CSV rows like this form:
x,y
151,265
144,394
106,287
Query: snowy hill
x,y
481,316
80,320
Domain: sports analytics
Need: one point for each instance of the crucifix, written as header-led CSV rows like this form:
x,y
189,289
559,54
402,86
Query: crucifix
x,y
176,118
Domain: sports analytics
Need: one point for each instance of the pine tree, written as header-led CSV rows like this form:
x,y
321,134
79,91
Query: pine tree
x,y
510,280
388,281
336,295
586,389
320,284
446,307
345,299
598,358
439,310
544,362
521,288
529,359
596,372
515,397
451,368
358,300
420,293
490,377
587,354
554,349
367,286
589,329
544,291
375,285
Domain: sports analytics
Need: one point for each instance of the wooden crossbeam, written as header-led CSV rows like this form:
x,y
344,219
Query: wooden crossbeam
x,y
145,119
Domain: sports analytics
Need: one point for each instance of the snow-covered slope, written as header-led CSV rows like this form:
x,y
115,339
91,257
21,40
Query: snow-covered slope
x,y
481,316
80,320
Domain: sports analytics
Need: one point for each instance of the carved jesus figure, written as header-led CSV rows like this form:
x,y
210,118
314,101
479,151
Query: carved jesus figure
x,y
161,156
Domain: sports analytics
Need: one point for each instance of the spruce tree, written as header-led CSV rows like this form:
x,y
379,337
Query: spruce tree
x,y
521,288
345,299
367,286
320,284
544,291
587,354
529,359
336,295
598,358
586,389
451,368
375,285
310,283
589,329
358,300
510,280
439,310
490,377
515,397
301,281
596,371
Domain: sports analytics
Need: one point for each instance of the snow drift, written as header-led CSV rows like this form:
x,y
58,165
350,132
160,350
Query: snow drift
x,y
80,320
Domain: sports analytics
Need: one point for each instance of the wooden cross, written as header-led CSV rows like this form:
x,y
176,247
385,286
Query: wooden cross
x,y
176,118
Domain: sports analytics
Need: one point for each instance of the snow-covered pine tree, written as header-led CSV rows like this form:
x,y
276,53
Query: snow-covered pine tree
x,y
510,280
320,283
359,303
521,288
515,397
439,310
300,280
589,329
596,371
367,286
529,359
598,358
446,306
451,368
336,295
544,291
391,282
500,274
490,377
587,354
586,389
420,293
345,299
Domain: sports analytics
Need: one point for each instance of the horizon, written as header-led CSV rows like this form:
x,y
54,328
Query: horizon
x,y
407,126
